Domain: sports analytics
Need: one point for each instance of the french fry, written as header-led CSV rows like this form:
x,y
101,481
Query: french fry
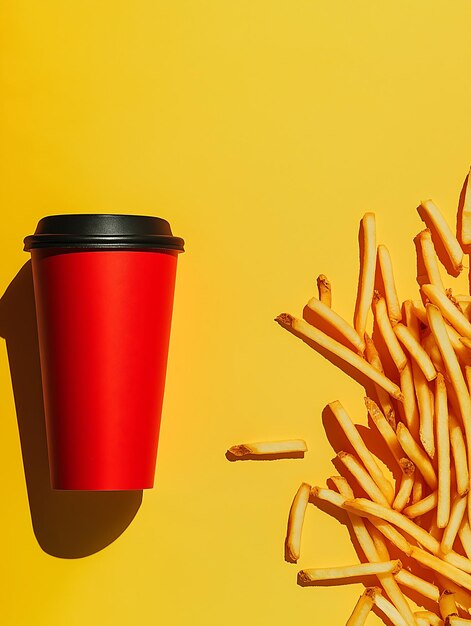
x,y
325,289
458,448
359,446
389,610
462,352
430,346
457,512
385,328
416,351
393,535
310,334
425,403
442,567
390,293
316,574
384,398
431,618
448,309
467,371
366,279
343,487
362,608
426,251
274,449
362,477
419,311
336,321
443,452
419,585
407,483
416,455
464,534
462,597
466,342
328,495
295,523
465,233
385,429
454,620
431,215
422,506
447,603
411,410
417,489
378,539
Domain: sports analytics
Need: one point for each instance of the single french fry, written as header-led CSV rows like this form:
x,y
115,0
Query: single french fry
x,y
454,620
385,328
343,487
317,574
458,448
310,334
385,428
464,534
407,483
367,272
411,409
467,371
466,342
421,586
425,403
429,617
390,293
268,448
384,398
389,610
430,346
443,452
457,512
465,233
417,489
328,495
442,567
362,608
422,506
419,311
462,352
336,321
359,446
437,326
426,250
325,289
378,539
362,477
431,215
448,309
447,603
415,350
295,523
416,455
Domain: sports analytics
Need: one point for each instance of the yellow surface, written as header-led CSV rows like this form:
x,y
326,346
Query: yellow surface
x,y
262,130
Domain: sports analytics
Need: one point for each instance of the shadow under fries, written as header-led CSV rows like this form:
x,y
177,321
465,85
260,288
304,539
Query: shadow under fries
x,y
437,242
67,524
230,456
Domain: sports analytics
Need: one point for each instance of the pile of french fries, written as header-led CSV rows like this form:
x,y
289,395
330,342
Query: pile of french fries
x,y
414,531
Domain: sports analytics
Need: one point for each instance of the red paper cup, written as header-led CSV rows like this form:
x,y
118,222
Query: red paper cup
x,y
103,288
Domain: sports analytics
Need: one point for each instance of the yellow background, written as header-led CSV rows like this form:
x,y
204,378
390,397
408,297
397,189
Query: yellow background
x,y
262,130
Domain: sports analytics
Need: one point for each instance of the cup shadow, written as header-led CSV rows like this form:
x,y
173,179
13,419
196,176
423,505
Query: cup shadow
x,y
67,524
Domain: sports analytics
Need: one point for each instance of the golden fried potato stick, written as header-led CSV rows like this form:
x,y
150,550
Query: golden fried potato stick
x,y
421,586
447,603
430,346
393,535
366,278
466,342
443,452
377,536
458,448
325,290
310,334
389,610
467,371
442,567
454,620
384,398
465,233
422,506
273,449
343,487
437,326
390,293
462,597
295,523
417,489
317,574
427,617
384,427
457,512
362,477
410,406
421,621
354,437
362,608
426,250
407,483
416,351
462,352
448,309
416,455
425,402
385,328
334,319
419,311
464,534
431,215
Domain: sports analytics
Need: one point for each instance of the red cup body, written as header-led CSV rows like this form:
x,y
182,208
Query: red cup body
x,y
104,321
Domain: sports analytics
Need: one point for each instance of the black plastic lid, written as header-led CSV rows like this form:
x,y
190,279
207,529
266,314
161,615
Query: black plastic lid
x,y
103,230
